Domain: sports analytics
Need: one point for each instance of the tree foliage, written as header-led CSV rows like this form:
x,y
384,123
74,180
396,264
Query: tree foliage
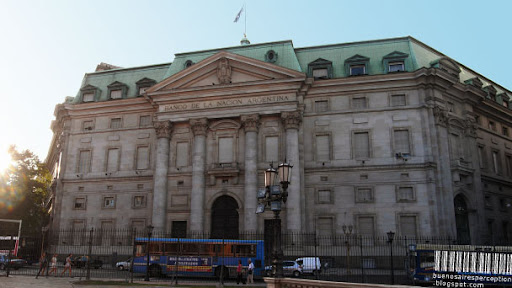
x,y
24,189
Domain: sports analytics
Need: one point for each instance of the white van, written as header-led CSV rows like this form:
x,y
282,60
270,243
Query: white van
x,y
310,265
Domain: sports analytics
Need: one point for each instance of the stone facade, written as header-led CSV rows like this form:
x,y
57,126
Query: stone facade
x,y
422,151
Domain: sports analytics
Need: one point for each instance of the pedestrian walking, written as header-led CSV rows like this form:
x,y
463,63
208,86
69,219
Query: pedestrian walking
x,y
67,266
53,265
250,272
239,273
43,264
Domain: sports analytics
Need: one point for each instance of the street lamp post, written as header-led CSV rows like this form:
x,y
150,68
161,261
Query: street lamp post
x,y
391,237
272,196
150,232
347,230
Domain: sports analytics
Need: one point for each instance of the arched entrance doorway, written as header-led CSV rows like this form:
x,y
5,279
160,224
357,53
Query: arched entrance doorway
x,y
462,220
224,218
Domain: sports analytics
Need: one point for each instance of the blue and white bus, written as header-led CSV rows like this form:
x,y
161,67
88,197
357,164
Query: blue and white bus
x,y
197,257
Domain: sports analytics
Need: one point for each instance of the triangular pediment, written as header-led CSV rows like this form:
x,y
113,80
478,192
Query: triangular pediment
x,y
223,69
357,58
320,61
396,55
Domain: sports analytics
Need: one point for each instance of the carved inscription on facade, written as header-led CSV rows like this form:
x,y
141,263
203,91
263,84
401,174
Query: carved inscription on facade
x,y
225,103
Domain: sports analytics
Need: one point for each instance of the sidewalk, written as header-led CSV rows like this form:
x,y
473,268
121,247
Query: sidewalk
x,y
19,281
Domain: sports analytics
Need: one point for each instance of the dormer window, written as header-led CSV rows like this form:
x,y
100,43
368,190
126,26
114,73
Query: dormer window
x,y
144,84
117,90
88,97
357,65
396,67
357,70
394,62
188,63
491,92
271,56
89,93
320,69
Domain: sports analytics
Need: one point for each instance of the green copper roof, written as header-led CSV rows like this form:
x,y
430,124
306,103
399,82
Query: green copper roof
x,y
128,76
414,53
285,55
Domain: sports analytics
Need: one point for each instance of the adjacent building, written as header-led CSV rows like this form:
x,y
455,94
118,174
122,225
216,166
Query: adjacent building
x,y
383,135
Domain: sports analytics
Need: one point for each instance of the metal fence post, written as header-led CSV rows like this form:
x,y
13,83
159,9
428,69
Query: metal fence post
x,y
133,254
88,263
362,259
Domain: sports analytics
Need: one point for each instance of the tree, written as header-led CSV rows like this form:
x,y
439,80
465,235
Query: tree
x,y
24,189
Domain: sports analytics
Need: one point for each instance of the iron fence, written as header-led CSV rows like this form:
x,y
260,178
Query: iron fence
x,y
351,258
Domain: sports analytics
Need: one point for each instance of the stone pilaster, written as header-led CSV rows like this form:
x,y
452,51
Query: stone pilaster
x,y
291,122
163,133
199,128
251,124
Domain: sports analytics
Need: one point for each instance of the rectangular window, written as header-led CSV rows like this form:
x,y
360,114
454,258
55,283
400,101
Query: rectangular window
x,y
396,67
364,195
271,148
455,147
323,151
116,94
115,123
321,106
359,103
505,103
88,97
182,154
488,202
401,141
113,160
109,202
84,161
492,125
142,158
145,121
508,160
366,226
226,150
357,70
361,145
320,73
324,225
405,194
179,229
481,157
504,131
139,201
496,163
408,226
324,196
80,203
142,90
87,125
397,100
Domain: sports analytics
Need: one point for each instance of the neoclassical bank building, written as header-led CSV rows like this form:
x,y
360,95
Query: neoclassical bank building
x,y
383,135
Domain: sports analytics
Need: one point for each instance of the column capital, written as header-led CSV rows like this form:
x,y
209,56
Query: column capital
x,y
291,119
163,129
199,126
440,115
250,122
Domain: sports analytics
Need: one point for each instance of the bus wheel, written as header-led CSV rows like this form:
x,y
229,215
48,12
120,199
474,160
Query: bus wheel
x,y
155,271
223,270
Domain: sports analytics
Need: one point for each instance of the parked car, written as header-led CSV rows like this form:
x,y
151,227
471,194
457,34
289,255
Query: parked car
x,y
81,261
15,262
124,265
290,268
310,265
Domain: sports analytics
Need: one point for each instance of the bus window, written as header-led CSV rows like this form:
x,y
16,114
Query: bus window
x,y
171,248
246,250
427,260
155,248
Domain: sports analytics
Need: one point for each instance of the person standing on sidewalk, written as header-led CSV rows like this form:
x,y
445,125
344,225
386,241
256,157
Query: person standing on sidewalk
x,y
43,264
250,272
67,266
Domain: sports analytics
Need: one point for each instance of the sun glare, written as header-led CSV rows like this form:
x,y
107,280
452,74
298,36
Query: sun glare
x,y
5,159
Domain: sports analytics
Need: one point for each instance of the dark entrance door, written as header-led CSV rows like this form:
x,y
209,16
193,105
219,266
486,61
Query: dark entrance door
x,y
224,218
461,220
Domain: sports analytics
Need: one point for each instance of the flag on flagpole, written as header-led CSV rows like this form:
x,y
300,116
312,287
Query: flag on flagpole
x,y
238,15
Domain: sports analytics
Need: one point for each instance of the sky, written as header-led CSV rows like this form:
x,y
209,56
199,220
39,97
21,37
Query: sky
x,y
48,45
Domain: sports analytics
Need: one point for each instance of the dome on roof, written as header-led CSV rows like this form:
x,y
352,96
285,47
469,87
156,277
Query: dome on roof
x,y
245,41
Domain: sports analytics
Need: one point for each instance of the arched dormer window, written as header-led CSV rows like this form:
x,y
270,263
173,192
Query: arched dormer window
x,y
320,69
117,90
144,84
357,65
188,63
394,62
89,93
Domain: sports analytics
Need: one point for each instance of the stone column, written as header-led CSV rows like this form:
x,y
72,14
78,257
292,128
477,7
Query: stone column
x,y
291,122
163,133
250,124
199,128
